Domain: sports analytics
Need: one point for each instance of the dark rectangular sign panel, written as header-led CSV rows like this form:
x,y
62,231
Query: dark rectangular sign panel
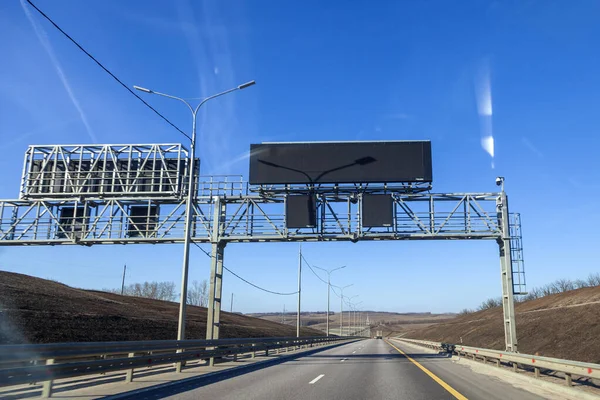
x,y
377,210
300,211
340,162
143,220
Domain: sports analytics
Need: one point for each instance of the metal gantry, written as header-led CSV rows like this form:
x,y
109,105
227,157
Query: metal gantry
x,y
228,210
241,218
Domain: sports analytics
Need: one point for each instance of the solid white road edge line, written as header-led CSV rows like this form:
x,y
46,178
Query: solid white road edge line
x,y
316,379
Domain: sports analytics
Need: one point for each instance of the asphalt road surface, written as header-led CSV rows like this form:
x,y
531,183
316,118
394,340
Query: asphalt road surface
x,y
367,369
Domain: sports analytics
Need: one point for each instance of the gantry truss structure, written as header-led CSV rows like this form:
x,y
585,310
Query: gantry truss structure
x,y
63,171
242,218
126,194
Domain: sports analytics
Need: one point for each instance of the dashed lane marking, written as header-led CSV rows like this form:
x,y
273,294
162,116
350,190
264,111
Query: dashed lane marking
x,y
316,379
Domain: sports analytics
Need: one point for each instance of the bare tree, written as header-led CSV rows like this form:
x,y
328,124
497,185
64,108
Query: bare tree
x,y
534,293
548,289
150,290
490,303
563,285
594,279
166,291
558,286
580,283
198,293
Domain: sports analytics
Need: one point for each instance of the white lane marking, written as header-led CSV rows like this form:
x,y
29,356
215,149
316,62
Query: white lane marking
x,y
316,379
354,352
343,359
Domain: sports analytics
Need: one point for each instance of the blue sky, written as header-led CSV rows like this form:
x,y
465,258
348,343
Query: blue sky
x,y
325,71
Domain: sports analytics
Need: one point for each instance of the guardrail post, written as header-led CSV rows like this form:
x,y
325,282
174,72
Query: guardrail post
x,y
537,372
568,379
47,385
253,351
211,360
515,366
266,352
235,356
129,376
498,363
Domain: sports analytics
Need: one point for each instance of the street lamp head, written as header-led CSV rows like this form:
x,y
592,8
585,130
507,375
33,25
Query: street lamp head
x,y
247,84
141,89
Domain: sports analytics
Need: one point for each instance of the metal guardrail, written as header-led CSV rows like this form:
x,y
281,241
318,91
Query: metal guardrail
x,y
538,363
21,364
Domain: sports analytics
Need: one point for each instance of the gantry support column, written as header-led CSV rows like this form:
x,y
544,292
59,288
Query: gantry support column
x,y
215,290
508,302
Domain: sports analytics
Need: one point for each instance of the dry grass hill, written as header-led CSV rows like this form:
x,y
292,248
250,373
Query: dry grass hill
x,y
40,311
564,325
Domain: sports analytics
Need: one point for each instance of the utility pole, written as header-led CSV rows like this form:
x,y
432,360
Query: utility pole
x,y
123,282
231,309
299,288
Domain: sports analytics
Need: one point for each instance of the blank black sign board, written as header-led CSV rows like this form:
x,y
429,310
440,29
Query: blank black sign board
x,y
300,212
340,162
72,220
143,220
377,210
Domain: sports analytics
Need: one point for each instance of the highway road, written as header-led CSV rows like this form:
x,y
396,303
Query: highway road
x,y
368,369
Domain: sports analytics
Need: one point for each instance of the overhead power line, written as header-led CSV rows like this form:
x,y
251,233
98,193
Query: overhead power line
x,y
242,279
313,271
258,287
106,69
334,292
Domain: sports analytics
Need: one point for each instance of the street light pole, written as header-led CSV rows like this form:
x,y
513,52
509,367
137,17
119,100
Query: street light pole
x,y
328,289
355,307
342,307
350,306
190,197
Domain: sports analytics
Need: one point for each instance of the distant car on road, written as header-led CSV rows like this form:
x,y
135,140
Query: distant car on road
x,y
379,335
